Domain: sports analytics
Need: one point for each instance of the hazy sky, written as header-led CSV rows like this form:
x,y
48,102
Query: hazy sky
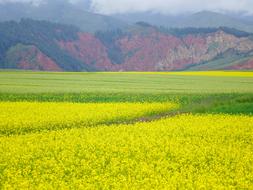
x,y
171,6
162,6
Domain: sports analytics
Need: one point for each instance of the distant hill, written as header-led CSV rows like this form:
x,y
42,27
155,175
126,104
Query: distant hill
x,y
32,45
152,18
60,12
202,19
212,19
42,45
63,12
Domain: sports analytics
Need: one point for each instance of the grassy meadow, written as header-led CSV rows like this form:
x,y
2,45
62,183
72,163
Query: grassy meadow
x,y
175,130
195,91
185,82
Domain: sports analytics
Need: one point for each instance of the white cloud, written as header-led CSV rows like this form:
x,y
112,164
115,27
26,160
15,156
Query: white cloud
x,y
171,6
35,2
161,6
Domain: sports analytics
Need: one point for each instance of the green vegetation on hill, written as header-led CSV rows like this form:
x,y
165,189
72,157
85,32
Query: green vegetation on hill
x,y
108,38
221,62
12,59
208,30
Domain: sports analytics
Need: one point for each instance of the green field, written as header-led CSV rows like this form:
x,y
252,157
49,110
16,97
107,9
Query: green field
x,y
181,130
30,82
196,91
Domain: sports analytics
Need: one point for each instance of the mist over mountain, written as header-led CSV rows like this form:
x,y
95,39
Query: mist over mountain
x,y
60,11
79,13
203,19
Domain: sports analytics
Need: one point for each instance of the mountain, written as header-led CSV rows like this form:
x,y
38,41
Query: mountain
x,y
204,19
79,14
156,19
27,44
60,11
212,19
42,45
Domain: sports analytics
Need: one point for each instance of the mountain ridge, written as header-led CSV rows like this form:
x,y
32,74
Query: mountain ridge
x,y
142,47
60,12
203,19
83,16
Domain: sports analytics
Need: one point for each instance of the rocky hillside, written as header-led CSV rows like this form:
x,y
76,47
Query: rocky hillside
x,y
40,45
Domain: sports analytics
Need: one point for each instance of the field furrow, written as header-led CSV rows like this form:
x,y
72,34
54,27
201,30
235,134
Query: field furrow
x,y
26,117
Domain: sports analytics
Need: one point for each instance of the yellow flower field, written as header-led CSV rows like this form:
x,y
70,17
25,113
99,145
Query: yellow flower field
x,y
23,117
181,152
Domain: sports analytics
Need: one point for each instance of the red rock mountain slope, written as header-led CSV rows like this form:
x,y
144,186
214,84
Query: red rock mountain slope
x,y
140,48
156,51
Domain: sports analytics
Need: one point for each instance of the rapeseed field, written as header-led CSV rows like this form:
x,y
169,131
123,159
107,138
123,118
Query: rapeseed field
x,y
182,152
175,130
25,117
